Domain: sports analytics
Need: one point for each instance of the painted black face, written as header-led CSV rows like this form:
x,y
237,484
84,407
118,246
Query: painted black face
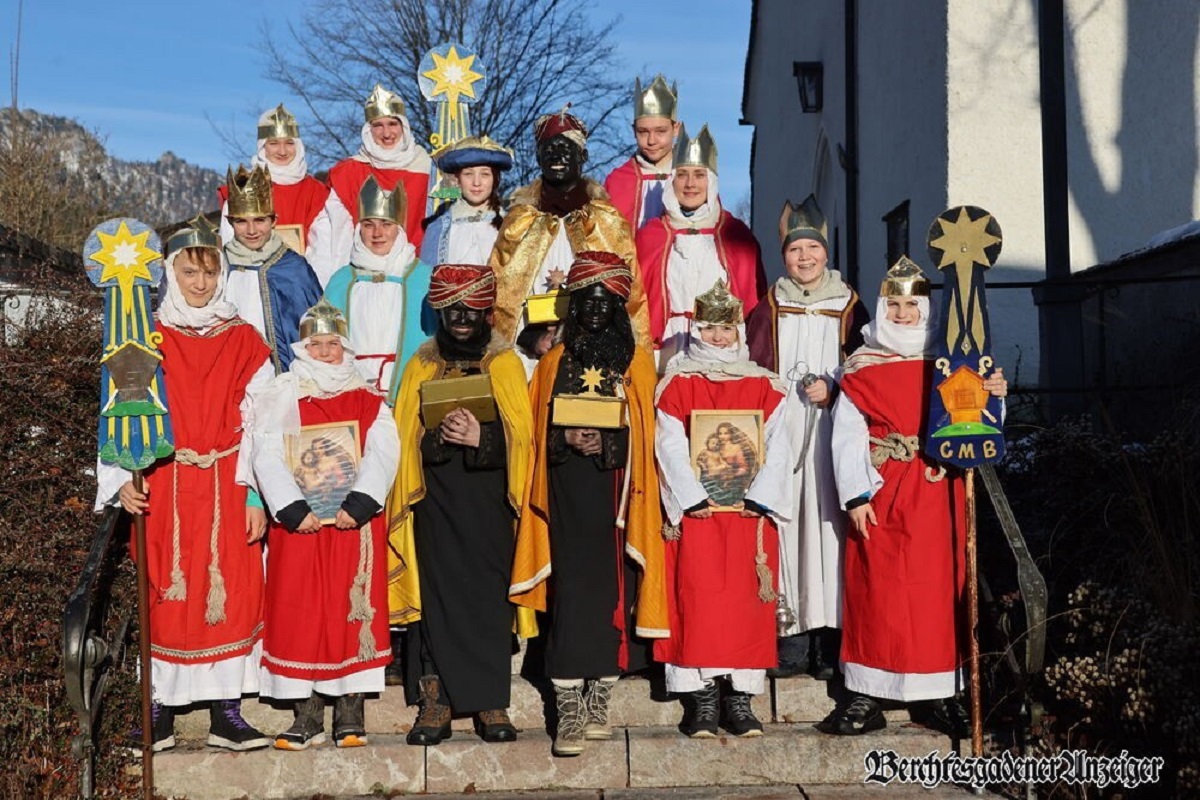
x,y
462,323
593,307
561,161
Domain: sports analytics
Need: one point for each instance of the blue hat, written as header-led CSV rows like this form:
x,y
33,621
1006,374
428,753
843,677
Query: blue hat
x,y
473,151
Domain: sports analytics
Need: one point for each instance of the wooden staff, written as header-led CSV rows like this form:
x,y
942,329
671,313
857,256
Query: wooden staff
x,y
143,590
973,619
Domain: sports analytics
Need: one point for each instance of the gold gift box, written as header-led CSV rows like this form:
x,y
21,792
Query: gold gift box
x,y
546,308
472,392
588,411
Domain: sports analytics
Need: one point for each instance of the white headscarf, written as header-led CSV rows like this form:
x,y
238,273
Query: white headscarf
x,y
394,263
406,154
173,308
706,216
700,356
276,405
285,174
904,340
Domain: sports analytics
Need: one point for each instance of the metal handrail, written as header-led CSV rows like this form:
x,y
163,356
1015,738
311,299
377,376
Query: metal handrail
x,y
87,652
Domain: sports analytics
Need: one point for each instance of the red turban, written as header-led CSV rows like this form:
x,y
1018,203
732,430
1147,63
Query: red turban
x,y
473,286
548,126
607,269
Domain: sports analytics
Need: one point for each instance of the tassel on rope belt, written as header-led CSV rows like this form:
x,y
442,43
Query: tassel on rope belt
x,y
215,608
898,447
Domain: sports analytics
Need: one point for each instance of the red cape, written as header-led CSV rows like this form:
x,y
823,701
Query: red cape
x,y
737,250
624,187
349,174
295,204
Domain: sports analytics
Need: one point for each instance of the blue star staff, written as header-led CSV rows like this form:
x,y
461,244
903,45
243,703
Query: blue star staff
x,y
123,257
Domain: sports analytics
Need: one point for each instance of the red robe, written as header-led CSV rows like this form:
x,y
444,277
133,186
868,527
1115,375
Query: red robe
x,y
310,576
737,250
716,616
903,588
348,175
624,187
295,203
206,377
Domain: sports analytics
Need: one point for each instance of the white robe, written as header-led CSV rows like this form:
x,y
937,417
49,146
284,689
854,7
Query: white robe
x,y
812,539
693,267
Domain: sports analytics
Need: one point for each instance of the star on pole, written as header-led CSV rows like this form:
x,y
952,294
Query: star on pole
x,y
125,258
964,243
452,75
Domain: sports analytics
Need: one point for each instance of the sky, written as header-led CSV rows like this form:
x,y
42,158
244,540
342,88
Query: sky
x,y
150,76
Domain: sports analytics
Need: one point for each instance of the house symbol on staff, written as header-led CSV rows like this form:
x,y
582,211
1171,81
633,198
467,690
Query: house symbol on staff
x,y
966,401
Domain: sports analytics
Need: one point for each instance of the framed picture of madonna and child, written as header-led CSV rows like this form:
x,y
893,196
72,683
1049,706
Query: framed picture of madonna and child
x,y
726,452
324,461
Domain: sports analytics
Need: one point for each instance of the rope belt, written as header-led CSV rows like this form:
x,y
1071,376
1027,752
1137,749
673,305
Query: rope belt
x,y
899,447
215,609
803,310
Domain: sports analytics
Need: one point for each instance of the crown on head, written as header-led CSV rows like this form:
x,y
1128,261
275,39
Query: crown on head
x,y
279,124
375,203
324,317
198,232
904,279
700,151
249,192
656,100
718,307
382,103
804,221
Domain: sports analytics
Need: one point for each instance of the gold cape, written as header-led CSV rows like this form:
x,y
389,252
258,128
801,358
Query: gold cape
x,y
642,521
525,238
507,375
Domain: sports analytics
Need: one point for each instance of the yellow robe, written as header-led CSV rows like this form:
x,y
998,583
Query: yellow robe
x,y
525,238
507,375
642,520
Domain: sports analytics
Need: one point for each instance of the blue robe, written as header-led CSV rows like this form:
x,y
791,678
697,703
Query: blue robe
x,y
288,287
419,319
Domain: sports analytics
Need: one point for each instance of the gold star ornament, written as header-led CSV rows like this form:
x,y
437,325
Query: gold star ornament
x,y
452,75
591,379
964,241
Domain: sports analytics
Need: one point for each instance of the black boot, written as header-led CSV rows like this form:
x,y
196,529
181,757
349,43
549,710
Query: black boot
x,y
308,729
433,719
701,712
861,715
823,653
227,729
737,716
951,716
349,723
393,673
495,726
793,656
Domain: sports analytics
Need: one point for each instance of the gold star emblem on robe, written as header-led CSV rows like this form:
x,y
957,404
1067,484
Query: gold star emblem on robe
x,y
591,379
556,279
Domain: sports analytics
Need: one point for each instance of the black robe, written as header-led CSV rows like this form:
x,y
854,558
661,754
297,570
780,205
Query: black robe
x,y
463,530
592,574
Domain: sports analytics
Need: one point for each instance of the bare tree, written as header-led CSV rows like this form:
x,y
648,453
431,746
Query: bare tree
x,y
539,54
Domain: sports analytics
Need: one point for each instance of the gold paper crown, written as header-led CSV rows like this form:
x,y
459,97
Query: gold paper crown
x,y
375,203
656,100
382,103
280,124
698,152
904,279
804,221
249,192
198,232
324,317
718,307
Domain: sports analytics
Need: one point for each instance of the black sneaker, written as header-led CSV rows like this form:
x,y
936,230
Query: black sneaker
x,y
701,712
227,729
309,727
738,717
349,722
162,728
861,715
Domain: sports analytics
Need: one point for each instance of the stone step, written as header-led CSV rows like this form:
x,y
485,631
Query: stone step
x,y
636,702
636,758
